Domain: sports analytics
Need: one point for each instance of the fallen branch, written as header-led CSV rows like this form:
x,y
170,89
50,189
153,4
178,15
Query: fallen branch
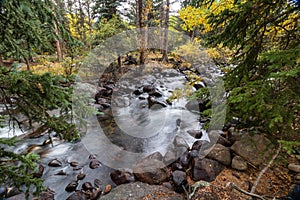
x,y
265,169
234,186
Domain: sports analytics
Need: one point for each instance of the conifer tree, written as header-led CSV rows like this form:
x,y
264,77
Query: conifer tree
x,y
106,8
264,84
27,27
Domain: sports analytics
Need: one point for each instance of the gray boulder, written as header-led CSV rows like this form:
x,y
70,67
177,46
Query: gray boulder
x,y
205,169
139,191
239,163
221,154
254,149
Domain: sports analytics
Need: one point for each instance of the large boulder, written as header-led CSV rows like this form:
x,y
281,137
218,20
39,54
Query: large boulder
x,y
121,177
205,169
151,171
221,154
254,149
196,105
179,181
239,163
87,89
138,190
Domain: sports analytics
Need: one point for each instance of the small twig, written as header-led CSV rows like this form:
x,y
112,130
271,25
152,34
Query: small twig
x,y
230,184
265,169
186,193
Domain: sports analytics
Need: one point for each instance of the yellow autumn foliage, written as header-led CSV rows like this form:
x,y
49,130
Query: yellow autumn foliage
x,y
55,68
197,17
78,31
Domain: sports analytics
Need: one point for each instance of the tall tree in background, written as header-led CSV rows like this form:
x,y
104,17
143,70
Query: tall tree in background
x,y
106,8
57,40
141,25
166,31
80,20
155,13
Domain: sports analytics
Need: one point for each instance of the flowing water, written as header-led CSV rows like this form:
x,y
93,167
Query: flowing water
x,y
133,127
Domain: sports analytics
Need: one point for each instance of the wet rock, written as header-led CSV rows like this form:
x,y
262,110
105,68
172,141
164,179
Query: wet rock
x,y
155,93
110,86
148,88
77,196
197,145
254,149
47,195
138,190
87,186
156,104
199,85
205,169
94,164
55,163
74,164
194,153
195,133
80,177
221,154
107,189
177,166
102,100
71,186
92,157
170,156
40,172
77,168
144,96
61,173
180,145
196,105
151,171
156,156
105,105
294,168
138,91
96,194
180,142
185,160
122,177
103,92
180,181
239,163
97,183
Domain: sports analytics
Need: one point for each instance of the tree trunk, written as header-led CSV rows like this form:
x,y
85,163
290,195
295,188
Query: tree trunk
x,y
57,42
141,26
166,32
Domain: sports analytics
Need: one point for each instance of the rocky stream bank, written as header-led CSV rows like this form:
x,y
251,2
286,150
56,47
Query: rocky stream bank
x,y
180,161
